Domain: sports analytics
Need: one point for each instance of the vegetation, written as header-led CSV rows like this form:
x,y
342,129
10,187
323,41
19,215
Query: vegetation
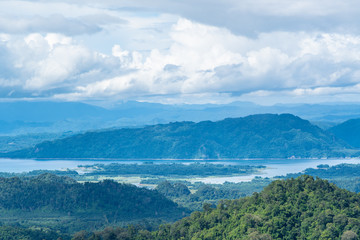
x,y
302,208
346,176
343,175
147,173
67,173
343,170
59,202
265,136
16,233
194,195
17,142
51,207
169,169
40,205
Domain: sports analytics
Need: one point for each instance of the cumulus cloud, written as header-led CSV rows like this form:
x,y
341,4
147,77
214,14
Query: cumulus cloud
x,y
40,63
228,49
230,64
246,17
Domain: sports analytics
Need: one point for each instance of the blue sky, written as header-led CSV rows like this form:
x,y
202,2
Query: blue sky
x,y
274,51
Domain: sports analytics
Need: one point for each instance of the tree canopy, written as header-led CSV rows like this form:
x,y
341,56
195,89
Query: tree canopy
x,y
301,208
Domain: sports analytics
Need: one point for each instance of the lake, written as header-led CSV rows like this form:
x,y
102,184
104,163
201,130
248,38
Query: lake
x,y
275,167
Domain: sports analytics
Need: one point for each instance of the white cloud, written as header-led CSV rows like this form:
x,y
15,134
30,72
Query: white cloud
x,y
226,63
290,8
53,23
251,17
55,61
305,95
246,17
142,50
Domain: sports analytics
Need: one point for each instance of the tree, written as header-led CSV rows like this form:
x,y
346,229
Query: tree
x,y
349,235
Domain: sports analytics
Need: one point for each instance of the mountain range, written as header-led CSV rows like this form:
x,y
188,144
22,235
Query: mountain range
x,y
24,117
254,136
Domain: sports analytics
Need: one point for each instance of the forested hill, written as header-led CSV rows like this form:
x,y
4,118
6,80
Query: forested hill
x,y
302,208
59,202
255,136
348,131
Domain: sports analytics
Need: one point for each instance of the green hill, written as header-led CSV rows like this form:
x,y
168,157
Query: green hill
x,y
348,131
17,233
256,136
63,204
302,208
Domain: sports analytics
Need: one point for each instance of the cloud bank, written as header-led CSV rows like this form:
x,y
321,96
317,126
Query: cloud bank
x,y
278,51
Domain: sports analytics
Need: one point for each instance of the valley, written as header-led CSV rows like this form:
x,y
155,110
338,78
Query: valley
x,y
179,120
96,184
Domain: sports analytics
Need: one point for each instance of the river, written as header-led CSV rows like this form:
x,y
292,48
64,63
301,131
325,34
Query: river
x,y
274,167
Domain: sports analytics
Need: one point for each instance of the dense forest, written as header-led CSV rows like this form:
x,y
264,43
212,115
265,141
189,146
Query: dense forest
x,y
344,175
302,208
54,207
63,204
33,233
264,136
194,195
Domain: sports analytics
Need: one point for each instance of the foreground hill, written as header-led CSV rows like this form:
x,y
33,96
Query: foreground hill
x,y
256,136
60,202
302,208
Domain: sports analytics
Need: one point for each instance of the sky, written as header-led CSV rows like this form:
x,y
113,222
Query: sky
x,y
174,52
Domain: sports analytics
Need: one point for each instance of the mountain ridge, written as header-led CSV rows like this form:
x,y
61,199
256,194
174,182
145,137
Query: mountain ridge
x,y
23,117
348,131
254,136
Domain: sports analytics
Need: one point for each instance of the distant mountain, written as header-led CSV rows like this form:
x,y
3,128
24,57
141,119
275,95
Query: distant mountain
x,y
23,117
9,127
302,208
325,112
348,131
48,111
255,136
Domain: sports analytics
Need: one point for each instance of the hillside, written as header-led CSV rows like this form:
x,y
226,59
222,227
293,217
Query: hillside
x,y
255,136
59,202
348,131
302,208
